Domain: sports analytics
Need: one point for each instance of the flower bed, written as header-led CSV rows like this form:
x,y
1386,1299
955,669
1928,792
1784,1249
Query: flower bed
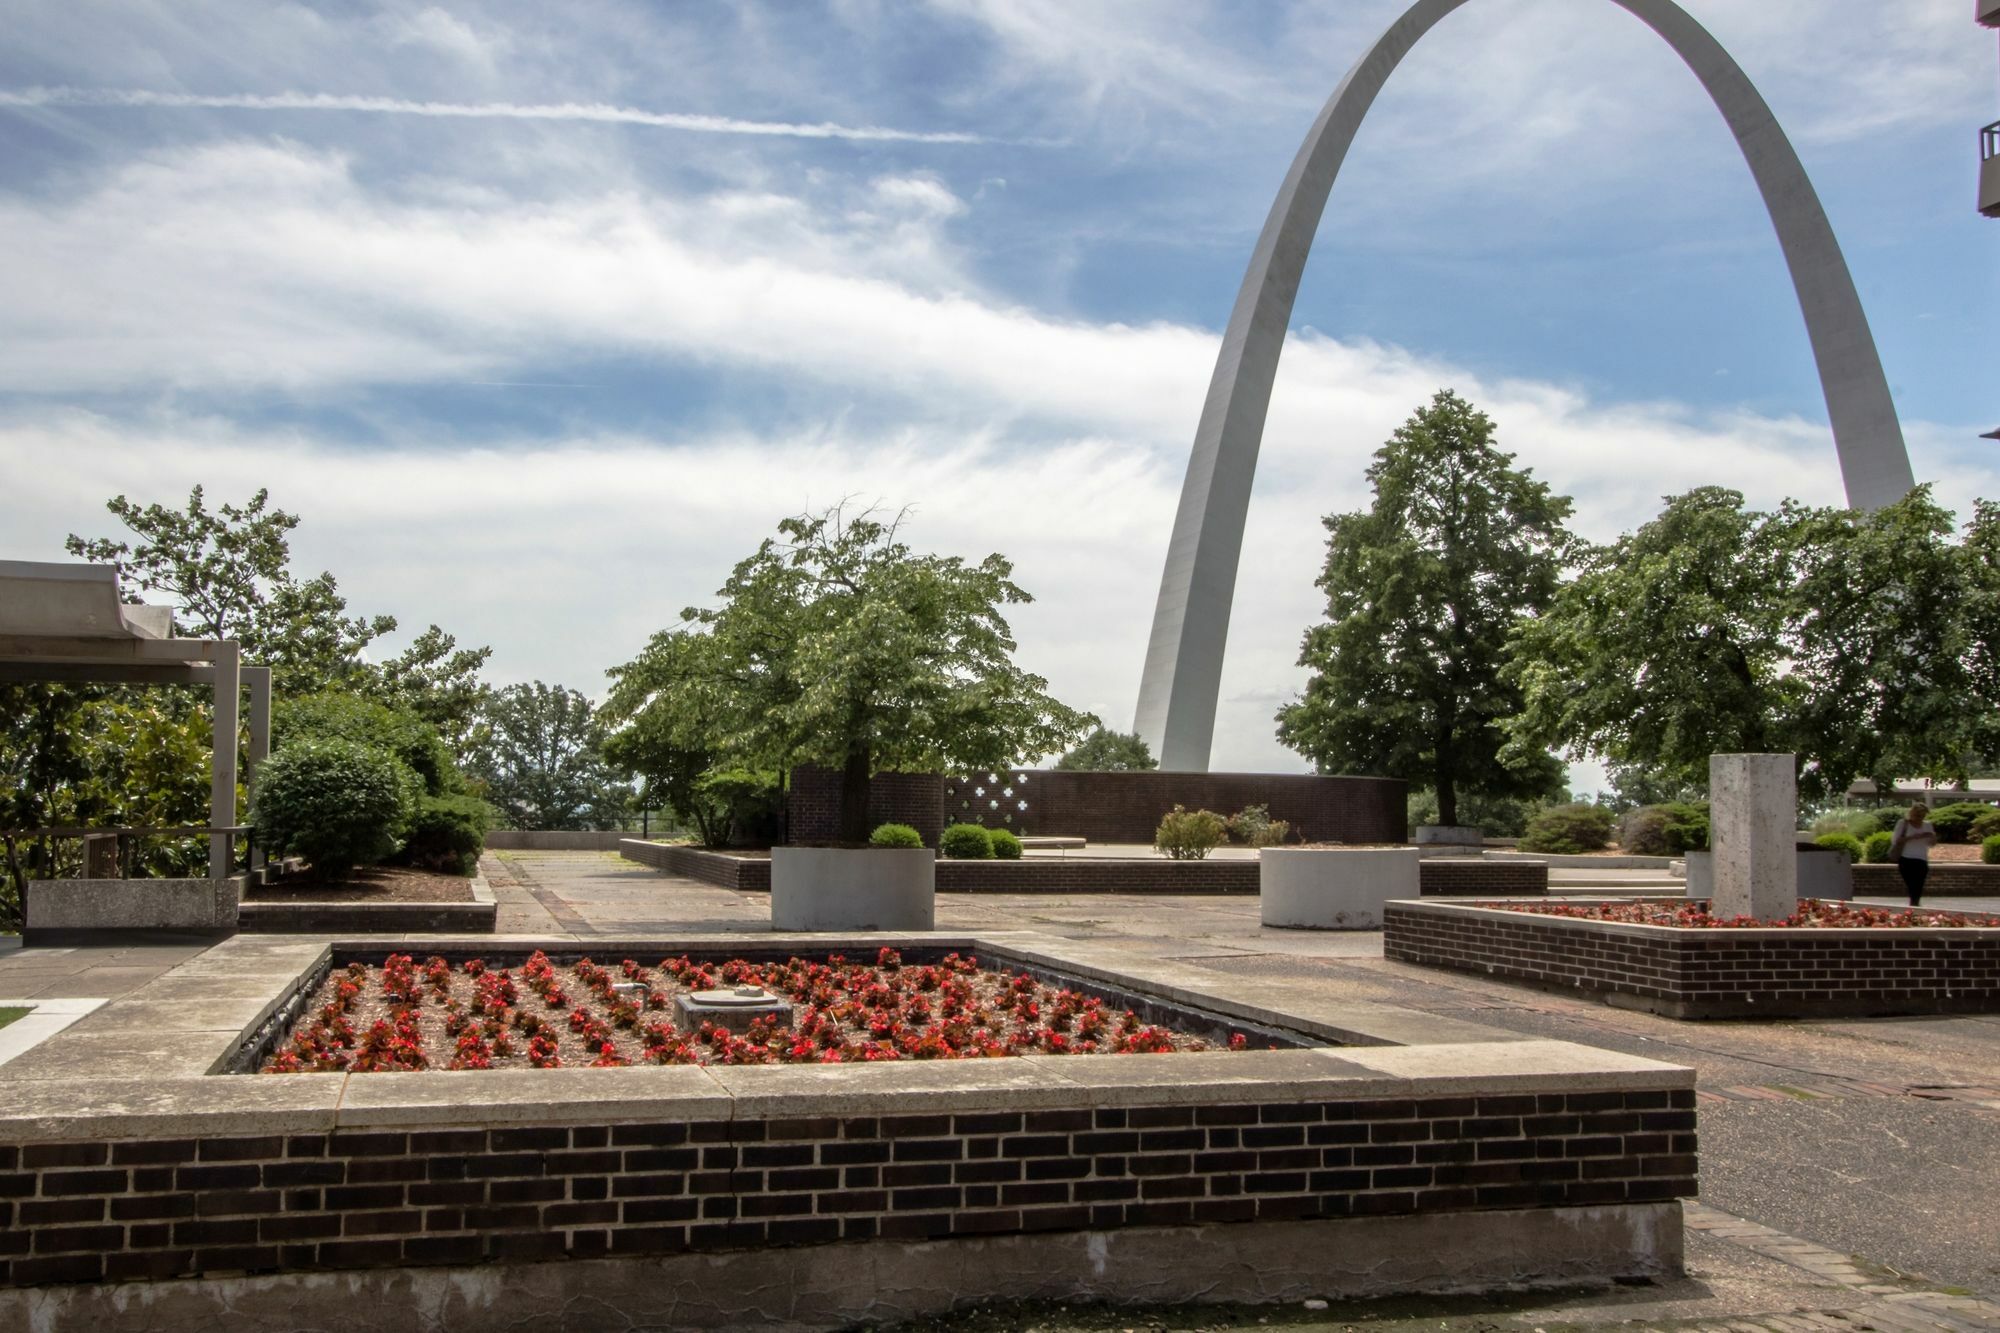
x,y
1831,959
401,1016
1812,914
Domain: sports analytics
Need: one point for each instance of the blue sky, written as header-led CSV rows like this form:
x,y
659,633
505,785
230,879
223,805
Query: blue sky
x,y
541,316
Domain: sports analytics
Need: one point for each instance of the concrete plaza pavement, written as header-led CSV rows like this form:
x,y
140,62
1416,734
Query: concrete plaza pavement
x,y
1850,1168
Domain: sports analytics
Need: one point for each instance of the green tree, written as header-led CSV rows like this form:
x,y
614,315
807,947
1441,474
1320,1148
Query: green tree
x,y
1110,752
1668,646
836,644
1851,640
541,759
438,681
1422,590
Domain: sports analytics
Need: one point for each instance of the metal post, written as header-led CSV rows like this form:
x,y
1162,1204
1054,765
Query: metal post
x,y
222,763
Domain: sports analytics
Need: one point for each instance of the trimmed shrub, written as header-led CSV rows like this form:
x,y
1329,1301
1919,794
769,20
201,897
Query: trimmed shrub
x,y
1253,826
1863,823
1986,826
1954,822
1563,830
446,834
1005,845
1190,835
349,717
966,842
338,803
895,835
1875,847
1841,842
1673,829
1989,850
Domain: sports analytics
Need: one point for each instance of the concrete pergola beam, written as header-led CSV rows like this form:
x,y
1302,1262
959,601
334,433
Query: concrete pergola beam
x,y
1183,674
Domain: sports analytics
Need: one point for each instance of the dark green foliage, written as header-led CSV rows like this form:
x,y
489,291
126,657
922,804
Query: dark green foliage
x,y
338,803
350,717
542,761
1954,822
1006,846
446,834
1989,850
1423,590
1109,752
1670,829
1564,830
1495,816
1875,847
1253,826
966,842
1841,842
836,644
1986,826
895,835
1190,835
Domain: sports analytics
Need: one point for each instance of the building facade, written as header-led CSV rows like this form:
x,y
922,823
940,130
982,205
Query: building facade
x,y
1989,138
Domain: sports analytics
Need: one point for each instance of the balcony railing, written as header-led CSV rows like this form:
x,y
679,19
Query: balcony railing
x,y
1989,142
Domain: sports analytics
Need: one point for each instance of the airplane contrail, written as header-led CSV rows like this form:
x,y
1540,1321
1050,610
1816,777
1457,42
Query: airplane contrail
x,y
579,111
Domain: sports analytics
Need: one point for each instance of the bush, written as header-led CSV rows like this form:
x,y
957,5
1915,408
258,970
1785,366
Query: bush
x,y
1954,822
1865,823
338,803
447,833
1495,816
895,835
1190,835
1005,845
1567,829
1673,829
1989,850
966,842
1986,826
1253,826
1841,842
1875,847
349,717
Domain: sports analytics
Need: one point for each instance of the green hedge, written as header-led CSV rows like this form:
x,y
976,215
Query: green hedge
x,y
966,842
895,835
338,803
1841,842
1670,829
446,834
1875,847
1954,822
1006,846
1563,830
1989,850
1190,835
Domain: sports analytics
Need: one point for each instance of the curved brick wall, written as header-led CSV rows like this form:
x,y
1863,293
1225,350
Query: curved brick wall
x,y
1126,807
916,799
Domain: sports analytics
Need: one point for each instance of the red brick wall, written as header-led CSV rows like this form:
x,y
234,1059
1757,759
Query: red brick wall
x,y
718,868
1948,879
135,1209
1126,807
1710,973
916,799
1446,877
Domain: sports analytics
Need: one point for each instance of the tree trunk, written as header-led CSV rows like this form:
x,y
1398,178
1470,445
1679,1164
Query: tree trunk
x,y
1447,788
854,797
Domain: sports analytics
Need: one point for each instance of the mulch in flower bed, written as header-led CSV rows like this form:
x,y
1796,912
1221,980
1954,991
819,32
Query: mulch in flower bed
x,y
403,1016
1813,914
376,884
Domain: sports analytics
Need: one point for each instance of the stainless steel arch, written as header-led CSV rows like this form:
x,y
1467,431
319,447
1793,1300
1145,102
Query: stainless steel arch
x,y
1177,694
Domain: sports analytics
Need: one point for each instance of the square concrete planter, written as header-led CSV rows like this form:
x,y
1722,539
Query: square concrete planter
x,y
1334,888
861,888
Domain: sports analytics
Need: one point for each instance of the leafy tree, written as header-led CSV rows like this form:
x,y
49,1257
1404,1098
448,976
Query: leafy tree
x,y
339,803
836,644
1851,640
438,681
1110,752
1423,589
1668,646
398,732
542,761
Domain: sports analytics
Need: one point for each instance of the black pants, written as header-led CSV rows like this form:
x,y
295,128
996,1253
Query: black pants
x,y
1915,871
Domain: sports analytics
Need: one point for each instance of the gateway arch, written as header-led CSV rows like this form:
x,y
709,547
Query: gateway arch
x,y
1183,676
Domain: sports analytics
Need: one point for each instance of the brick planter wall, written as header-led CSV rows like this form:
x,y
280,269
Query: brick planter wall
x,y
1126,807
1691,973
367,918
96,1211
1948,879
748,873
1446,877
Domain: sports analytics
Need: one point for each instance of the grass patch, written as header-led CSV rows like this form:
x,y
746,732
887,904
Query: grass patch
x,y
9,1014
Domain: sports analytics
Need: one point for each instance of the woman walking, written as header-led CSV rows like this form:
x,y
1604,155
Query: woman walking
x,y
1910,848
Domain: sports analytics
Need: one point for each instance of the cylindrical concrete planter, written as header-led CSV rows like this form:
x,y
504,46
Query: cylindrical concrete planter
x,y
1824,873
1334,888
861,888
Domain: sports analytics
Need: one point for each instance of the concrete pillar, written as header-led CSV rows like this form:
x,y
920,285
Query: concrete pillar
x,y
222,761
259,681
1753,834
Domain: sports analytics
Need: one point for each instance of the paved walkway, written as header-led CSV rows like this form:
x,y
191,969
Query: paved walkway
x,y
1866,1153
